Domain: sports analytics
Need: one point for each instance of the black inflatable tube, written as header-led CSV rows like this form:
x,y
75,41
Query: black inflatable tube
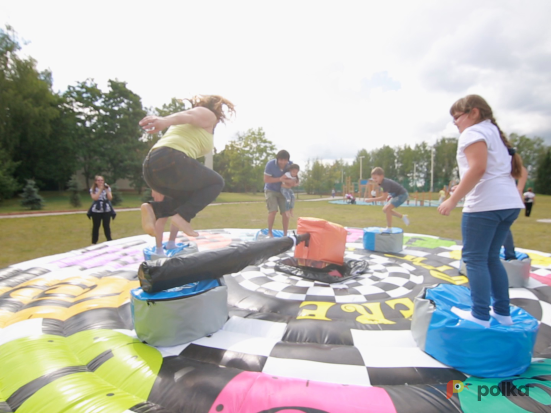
x,y
173,272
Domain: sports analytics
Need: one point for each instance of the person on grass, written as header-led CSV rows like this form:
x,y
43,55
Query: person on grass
x,y
397,193
101,210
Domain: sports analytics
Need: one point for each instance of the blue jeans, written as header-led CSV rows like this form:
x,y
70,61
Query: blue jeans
x,y
399,199
509,247
188,185
289,197
483,235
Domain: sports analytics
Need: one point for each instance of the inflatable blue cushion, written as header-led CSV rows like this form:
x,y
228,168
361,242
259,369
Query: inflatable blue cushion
x,y
497,351
519,255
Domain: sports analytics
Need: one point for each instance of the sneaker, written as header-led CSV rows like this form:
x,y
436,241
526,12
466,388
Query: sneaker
x,y
148,219
405,219
467,315
505,320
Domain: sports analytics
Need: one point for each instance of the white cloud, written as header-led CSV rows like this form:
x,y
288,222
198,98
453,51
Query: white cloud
x,y
324,79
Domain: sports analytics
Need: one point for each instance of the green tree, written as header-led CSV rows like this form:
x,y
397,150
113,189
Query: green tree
x,y
360,165
106,131
31,198
8,184
84,103
315,178
72,187
422,166
543,179
406,159
385,158
122,149
335,174
445,163
530,149
117,195
33,133
175,106
245,159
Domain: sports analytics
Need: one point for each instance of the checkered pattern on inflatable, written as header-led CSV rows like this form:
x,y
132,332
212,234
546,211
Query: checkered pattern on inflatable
x,y
67,341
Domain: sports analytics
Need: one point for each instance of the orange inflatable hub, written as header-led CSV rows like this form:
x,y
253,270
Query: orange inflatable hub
x,y
327,241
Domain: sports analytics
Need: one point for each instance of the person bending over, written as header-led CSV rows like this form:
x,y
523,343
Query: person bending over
x,y
397,193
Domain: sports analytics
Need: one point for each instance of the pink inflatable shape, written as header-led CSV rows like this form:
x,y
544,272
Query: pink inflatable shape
x,y
251,392
354,234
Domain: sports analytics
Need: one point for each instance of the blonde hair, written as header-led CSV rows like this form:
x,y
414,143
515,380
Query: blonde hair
x,y
215,104
469,102
378,171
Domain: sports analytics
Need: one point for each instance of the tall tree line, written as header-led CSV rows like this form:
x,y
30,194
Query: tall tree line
x,y
421,167
48,136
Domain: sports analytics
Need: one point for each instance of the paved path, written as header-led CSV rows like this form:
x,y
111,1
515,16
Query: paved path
x,y
31,214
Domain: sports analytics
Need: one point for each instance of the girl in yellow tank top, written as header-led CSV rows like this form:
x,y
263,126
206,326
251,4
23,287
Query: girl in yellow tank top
x,y
171,168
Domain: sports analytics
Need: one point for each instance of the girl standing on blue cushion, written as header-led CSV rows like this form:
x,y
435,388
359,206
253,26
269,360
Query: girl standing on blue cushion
x,y
171,168
488,166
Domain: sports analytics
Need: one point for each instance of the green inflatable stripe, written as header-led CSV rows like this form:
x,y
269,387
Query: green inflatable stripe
x,y
26,359
427,242
133,368
127,364
79,392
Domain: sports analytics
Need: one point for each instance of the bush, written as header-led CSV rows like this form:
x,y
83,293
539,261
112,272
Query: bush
x,y
72,186
117,197
30,196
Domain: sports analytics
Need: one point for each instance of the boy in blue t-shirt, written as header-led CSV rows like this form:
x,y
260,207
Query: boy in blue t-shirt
x,y
391,188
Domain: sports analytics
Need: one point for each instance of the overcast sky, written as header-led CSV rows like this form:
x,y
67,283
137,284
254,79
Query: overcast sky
x,y
323,78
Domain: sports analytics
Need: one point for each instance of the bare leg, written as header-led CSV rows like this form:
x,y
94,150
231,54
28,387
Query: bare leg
x,y
387,209
159,229
285,220
173,233
148,219
271,219
171,244
183,226
396,214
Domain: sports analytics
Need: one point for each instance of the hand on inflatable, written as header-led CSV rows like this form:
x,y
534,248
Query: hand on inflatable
x,y
446,207
153,124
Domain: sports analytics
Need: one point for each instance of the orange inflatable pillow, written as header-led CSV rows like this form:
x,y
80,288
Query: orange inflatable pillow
x,y
327,241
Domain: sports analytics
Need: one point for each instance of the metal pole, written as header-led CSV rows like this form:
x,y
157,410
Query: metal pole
x,y
361,164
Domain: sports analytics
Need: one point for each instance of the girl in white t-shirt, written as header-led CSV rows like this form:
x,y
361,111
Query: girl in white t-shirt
x,y
488,166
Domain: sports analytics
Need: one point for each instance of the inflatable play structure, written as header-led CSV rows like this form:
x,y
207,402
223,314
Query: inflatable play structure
x,y
281,337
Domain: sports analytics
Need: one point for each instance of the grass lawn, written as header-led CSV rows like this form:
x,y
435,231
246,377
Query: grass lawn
x,y
59,201
23,239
